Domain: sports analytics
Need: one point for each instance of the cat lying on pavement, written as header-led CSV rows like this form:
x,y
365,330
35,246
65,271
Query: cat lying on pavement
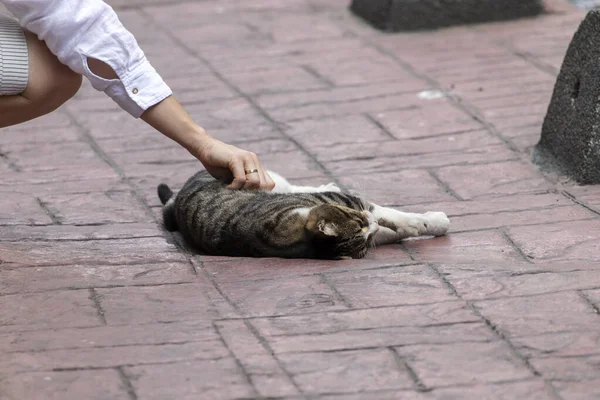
x,y
290,222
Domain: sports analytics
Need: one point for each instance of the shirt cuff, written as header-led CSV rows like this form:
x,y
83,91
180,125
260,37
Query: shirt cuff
x,y
139,90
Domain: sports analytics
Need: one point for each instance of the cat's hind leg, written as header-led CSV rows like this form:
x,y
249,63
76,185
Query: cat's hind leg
x,y
283,186
397,225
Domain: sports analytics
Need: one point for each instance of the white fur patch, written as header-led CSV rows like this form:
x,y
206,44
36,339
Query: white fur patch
x,y
303,212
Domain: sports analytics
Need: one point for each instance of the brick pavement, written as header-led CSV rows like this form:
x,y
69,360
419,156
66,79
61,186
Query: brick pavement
x,y
97,301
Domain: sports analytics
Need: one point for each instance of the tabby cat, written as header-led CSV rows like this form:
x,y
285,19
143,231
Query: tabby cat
x,y
290,222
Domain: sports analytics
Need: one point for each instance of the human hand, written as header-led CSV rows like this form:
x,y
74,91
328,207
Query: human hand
x,y
226,162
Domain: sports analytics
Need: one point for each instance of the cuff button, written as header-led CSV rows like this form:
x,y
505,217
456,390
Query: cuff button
x,y
135,91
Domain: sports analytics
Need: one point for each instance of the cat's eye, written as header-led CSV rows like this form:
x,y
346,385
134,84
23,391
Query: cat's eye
x,y
365,229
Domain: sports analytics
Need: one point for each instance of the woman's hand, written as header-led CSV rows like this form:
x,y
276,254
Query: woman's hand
x,y
225,162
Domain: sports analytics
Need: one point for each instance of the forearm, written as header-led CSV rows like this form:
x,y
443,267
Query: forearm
x,y
170,118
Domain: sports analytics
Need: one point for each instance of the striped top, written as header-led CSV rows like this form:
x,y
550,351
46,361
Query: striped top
x,y
14,61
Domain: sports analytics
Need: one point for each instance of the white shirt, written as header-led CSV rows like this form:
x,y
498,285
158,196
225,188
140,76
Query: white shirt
x,y
77,29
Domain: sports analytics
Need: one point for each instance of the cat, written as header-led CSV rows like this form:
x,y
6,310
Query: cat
x,y
289,222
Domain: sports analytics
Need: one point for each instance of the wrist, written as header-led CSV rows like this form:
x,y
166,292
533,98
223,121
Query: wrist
x,y
197,140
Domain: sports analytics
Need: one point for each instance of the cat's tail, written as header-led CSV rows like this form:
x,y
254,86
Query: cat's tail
x,y
165,194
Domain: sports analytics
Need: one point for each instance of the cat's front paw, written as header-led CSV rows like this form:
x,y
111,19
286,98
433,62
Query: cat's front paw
x,y
437,223
413,226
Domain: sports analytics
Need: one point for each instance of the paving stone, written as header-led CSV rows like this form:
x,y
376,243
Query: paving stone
x,y
470,247
545,313
511,219
60,308
272,268
530,389
112,356
534,282
397,162
380,149
85,232
340,101
34,279
219,378
382,337
369,68
401,187
100,384
276,80
431,118
347,371
260,366
370,318
96,208
565,344
578,390
501,179
568,368
279,297
164,303
20,210
562,241
464,363
121,251
412,284
13,339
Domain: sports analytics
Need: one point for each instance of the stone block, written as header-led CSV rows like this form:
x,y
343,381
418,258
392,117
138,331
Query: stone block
x,y
411,15
570,140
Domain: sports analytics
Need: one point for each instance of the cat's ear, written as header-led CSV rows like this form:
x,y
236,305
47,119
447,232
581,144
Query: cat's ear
x,y
327,228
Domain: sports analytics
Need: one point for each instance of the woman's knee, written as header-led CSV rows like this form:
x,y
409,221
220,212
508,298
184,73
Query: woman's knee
x,y
51,83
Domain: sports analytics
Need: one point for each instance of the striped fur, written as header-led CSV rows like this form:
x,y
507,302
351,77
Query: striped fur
x,y
218,221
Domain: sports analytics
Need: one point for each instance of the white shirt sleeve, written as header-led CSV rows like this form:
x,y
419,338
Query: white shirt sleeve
x,y
75,30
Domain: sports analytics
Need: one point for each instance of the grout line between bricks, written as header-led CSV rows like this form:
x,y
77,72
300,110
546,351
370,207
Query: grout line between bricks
x,y
325,280
55,220
515,247
574,199
249,325
14,167
589,302
310,70
127,383
460,104
444,185
95,298
381,126
237,361
493,328
404,365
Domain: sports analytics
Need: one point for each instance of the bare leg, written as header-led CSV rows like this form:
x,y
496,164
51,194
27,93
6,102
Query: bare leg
x,y
397,225
50,85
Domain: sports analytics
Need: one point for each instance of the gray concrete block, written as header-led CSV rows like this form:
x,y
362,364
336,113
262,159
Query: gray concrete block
x,y
410,15
570,140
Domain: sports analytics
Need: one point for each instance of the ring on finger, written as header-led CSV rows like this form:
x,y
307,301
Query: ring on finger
x,y
251,171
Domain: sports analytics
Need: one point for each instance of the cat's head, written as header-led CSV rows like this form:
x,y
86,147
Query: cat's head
x,y
339,232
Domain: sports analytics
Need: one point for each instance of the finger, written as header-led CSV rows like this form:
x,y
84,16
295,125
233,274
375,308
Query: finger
x,y
253,179
239,176
269,182
262,174
266,182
